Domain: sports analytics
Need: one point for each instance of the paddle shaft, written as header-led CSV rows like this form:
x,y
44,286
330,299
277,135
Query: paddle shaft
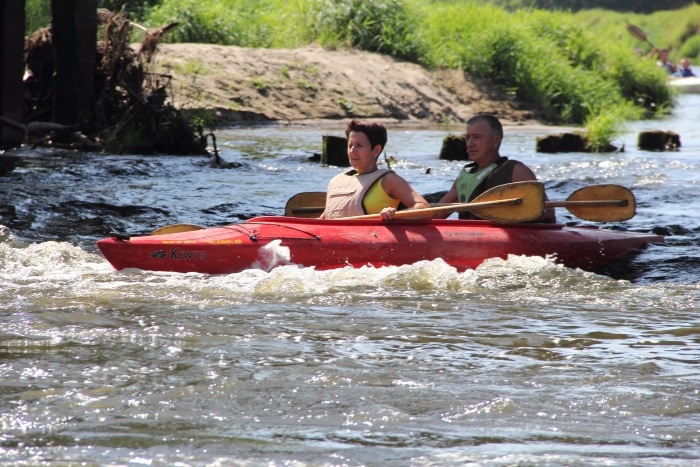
x,y
547,204
413,213
599,203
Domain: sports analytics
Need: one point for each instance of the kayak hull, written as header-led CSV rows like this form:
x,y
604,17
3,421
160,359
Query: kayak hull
x,y
689,85
267,242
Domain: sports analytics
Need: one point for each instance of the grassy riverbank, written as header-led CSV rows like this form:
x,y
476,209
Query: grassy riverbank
x,y
568,68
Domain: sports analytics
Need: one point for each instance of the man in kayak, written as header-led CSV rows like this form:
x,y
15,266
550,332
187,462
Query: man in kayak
x,y
684,70
488,168
366,189
664,62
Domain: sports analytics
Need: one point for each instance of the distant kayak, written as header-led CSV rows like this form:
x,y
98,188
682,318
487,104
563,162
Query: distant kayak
x,y
690,85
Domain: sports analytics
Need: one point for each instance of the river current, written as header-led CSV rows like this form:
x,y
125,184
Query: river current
x,y
519,362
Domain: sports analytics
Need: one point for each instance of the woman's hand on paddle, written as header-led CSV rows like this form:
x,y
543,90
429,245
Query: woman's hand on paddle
x,y
387,213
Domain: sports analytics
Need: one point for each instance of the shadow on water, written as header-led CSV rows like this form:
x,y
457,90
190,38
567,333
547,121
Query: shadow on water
x,y
670,261
629,268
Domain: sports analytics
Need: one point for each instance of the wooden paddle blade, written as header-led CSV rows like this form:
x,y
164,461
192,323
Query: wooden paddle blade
x,y
529,209
601,203
176,228
636,31
512,202
306,204
639,34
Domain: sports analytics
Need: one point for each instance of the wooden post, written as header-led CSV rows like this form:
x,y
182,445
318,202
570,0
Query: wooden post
x,y
74,26
335,151
11,69
658,140
454,148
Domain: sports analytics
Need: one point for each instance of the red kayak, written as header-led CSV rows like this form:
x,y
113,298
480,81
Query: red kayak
x,y
267,242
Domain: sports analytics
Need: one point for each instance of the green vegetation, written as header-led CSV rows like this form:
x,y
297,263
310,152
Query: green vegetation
x,y
543,58
691,48
260,84
249,23
203,118
643,6
676,30
345,105
307,85
573,68
38,15
569,67
194,67
601,130
382,26
38,12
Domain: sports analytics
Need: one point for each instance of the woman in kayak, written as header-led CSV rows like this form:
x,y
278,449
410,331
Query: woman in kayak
x,y
366,189
488,168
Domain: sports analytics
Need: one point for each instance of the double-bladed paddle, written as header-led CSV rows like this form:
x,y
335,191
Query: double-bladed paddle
x,y
597,203
513,202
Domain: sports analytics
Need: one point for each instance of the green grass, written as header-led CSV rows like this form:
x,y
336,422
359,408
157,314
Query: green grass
x,y
569,68
196,67
260,84
248,23
546,59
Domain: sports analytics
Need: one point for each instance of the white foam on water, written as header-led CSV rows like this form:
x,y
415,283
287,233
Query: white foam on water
x,y
71,276
272,255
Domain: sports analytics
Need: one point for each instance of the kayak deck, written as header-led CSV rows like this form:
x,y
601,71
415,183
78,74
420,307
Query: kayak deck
x,y
267,242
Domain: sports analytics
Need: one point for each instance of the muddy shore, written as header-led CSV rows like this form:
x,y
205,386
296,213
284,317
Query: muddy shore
x,y
312,83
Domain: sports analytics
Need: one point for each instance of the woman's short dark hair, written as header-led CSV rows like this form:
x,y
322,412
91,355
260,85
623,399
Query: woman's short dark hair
x,y
376,132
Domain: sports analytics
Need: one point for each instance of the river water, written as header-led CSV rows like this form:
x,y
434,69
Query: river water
x,y
520,362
